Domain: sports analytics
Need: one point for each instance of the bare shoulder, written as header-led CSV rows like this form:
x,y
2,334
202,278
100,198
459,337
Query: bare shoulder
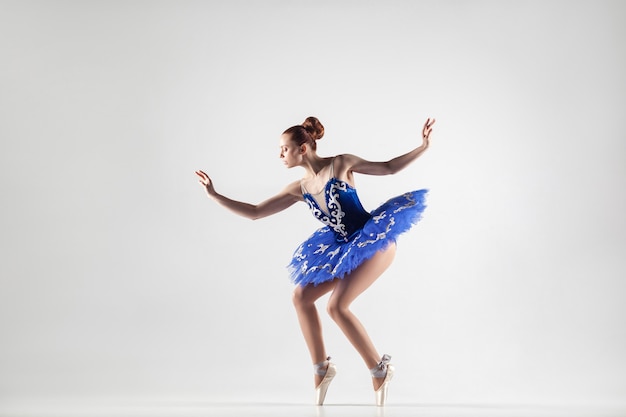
x,y
294,190
345,160
352,163
344,166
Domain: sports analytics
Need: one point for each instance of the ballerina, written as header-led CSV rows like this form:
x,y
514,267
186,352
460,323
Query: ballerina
x,y
349,253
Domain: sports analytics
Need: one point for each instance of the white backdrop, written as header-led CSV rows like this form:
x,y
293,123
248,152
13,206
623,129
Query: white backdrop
x,y
120,280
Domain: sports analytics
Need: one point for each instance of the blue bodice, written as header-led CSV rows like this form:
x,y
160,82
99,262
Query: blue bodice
x,y
345,215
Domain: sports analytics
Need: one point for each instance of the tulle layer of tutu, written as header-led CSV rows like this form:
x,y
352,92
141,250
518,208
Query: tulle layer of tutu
x,y
322,258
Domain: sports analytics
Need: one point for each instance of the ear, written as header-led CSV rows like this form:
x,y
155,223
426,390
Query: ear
x,y
303,148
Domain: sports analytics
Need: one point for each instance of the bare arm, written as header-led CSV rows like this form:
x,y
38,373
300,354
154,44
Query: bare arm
x,y
286,198
394,165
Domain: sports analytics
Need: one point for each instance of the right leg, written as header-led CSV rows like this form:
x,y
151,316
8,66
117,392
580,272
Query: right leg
x,y
304,300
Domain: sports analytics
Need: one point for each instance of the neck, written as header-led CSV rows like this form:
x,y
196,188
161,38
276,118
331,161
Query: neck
x,y
314,164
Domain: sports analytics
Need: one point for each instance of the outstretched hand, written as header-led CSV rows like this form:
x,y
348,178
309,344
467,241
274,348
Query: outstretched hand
x,y
206,182
427,130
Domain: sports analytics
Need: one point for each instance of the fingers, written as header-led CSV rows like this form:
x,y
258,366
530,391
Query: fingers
x,y
428,127
203,175
427,130
204,178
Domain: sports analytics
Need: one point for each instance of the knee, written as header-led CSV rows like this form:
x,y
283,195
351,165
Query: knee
x,y
337,311
299,298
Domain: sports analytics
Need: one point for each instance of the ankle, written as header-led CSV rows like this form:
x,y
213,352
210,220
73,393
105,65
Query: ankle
x,y
321,367
380,370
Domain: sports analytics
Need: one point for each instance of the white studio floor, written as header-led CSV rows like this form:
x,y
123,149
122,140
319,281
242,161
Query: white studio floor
x,y
306,410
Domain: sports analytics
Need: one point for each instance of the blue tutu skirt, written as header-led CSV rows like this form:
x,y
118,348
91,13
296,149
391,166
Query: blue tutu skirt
x,y
322,257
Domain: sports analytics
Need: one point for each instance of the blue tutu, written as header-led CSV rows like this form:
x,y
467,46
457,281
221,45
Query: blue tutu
x,y
351,235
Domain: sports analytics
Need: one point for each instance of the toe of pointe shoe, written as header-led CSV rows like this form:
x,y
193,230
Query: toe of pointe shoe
x,y
322,388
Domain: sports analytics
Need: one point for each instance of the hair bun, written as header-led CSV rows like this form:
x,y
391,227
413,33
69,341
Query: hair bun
x,y
314,127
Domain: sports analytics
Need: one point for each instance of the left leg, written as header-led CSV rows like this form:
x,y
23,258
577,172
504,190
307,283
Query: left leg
x,y
346,291
304,300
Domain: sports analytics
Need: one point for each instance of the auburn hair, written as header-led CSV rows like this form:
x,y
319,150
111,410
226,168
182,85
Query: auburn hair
x,y
309,131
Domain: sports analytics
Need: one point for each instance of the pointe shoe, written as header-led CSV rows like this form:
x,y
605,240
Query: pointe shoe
x,y
384,368
320,390
381,392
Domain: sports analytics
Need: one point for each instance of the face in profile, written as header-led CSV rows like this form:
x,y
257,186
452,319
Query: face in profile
x,y
290,153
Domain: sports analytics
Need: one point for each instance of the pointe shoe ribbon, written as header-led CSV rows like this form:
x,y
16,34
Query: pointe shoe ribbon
x,y
380,370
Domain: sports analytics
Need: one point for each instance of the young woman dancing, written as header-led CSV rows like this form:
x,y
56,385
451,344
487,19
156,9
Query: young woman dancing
x,y
346,255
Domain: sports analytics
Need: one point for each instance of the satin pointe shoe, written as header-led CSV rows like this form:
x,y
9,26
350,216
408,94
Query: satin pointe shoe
x,y
383,369
328,370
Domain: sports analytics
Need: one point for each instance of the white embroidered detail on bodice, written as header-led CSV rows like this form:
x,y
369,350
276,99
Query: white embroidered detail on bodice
x,y
334,214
